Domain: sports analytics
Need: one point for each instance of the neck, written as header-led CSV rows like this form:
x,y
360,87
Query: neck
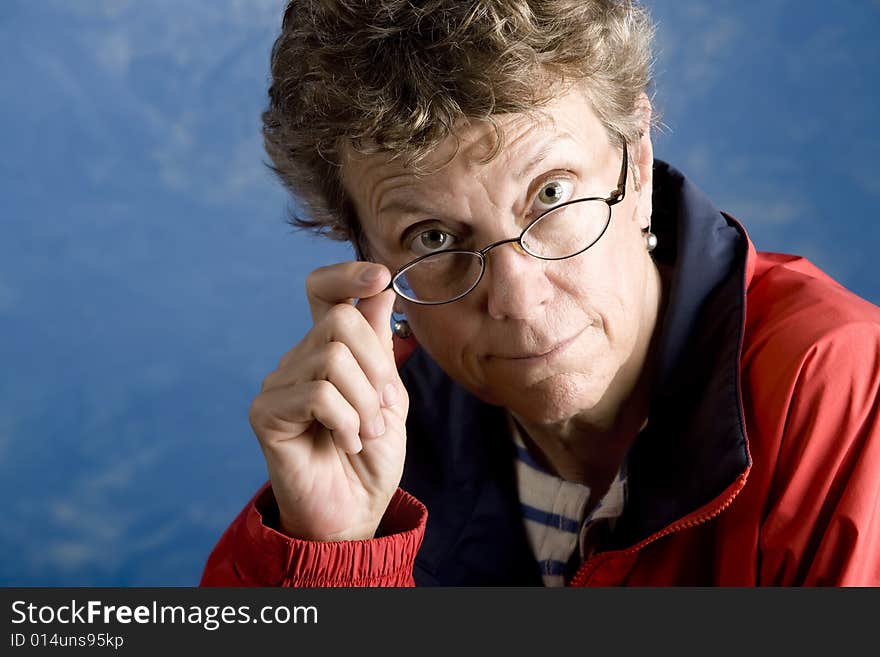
x,y
589,447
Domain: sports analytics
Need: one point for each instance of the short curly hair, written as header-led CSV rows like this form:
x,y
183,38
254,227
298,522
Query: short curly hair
x,y
397,76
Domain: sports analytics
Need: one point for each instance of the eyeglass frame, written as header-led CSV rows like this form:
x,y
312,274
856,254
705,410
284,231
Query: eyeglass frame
x,y
615,197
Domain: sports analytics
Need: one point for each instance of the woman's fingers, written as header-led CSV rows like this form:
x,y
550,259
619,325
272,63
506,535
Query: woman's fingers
x,y
283,414
340,368
377,311
329,286
335,363
347,325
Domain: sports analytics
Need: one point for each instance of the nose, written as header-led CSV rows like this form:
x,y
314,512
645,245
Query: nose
x,y
515,281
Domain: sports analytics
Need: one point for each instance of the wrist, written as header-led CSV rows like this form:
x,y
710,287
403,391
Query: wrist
x,y
291,530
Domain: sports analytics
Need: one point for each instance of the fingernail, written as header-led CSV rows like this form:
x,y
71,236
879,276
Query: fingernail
x,y
379,426
371,275
390,396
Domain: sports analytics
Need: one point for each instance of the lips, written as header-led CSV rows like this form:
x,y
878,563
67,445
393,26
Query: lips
x,y
541,352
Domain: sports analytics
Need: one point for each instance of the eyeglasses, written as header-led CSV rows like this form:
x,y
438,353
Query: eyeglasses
x,y
563,231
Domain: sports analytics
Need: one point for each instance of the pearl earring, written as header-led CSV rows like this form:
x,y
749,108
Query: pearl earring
x,y
650,238
400,326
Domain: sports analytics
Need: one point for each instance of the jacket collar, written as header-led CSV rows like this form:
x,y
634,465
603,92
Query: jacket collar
x,y
459,453
695,444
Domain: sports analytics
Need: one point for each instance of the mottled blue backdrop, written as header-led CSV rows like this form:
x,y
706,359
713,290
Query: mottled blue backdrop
x,y
148,281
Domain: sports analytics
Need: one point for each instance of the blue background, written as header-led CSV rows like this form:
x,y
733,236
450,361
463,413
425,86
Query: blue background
x,y
148,281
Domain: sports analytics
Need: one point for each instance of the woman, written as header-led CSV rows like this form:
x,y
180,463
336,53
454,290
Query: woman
x,y
594,379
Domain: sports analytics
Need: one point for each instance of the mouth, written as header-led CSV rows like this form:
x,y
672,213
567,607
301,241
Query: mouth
x,y
542,354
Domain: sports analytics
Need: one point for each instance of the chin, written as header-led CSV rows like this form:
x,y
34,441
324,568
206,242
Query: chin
x,y
551,400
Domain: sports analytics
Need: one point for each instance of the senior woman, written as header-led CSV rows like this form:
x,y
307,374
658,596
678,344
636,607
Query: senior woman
x,y
554,362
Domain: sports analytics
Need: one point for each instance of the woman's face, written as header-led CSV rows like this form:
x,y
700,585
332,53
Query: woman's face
x,y
545,339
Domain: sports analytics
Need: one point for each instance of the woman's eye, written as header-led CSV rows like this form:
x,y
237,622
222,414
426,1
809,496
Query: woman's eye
x,y
553,193
429,241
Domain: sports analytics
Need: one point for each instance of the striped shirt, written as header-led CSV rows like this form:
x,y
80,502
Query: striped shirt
x,y
559,531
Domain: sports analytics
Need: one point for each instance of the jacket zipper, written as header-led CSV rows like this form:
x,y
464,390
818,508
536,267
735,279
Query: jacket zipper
x,y
591,566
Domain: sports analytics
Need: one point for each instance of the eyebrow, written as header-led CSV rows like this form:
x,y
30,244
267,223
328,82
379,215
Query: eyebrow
x,y
400,209
535,161
544,151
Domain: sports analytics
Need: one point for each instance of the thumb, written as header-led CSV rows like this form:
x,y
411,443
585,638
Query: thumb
x,y
377,311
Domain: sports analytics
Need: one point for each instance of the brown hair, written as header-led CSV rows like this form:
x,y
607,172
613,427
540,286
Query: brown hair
x,y
397,75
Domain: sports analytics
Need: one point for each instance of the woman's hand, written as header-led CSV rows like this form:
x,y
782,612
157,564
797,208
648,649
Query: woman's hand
x,y
331,420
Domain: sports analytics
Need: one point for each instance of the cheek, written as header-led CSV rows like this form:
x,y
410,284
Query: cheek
x,y
453,337
606,283
446,333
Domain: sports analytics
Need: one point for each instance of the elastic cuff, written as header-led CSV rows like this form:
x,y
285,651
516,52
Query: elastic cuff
x,y
384,561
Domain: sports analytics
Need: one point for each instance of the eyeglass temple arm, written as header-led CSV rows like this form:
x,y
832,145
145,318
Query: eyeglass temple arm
x,y
618,194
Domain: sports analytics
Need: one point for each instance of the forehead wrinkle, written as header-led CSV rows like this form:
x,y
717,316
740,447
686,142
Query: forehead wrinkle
x,y
368,177
538,153
535,161
408,198
383,188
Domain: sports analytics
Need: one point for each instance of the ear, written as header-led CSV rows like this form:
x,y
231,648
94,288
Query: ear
x,y
645,161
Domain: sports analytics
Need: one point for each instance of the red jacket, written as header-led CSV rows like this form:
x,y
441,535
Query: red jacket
x,y
765,469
